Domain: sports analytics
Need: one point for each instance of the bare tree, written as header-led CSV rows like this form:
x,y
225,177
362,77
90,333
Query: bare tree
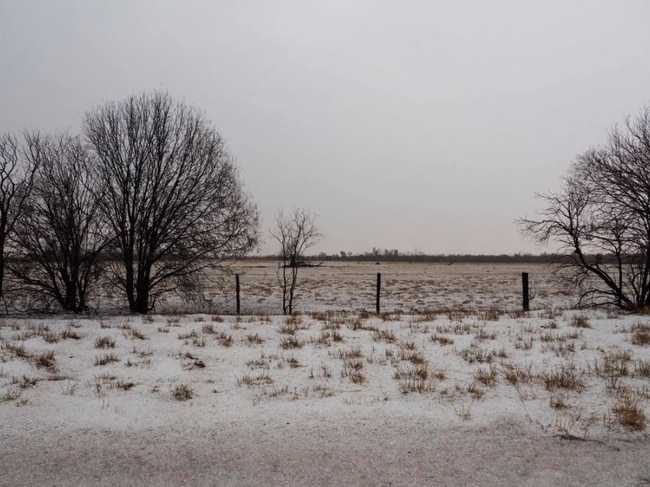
x,y
171,193
16,178
59,235
295,233
602,219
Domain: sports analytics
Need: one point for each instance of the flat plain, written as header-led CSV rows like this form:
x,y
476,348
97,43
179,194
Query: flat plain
x,y
405,287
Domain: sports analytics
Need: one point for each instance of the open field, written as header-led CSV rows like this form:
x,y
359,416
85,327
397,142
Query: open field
x,y
327,398
409,288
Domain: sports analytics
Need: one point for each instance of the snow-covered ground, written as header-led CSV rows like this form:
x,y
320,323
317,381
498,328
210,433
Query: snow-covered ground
x,y
326,398
541,377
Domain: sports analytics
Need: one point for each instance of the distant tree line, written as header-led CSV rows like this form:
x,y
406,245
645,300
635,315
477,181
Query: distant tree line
x,y
144,201
396,256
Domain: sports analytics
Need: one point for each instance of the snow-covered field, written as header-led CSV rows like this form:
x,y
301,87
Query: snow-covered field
x,y
406,287
327,398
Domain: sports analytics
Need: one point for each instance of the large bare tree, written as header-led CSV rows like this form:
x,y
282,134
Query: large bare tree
x,y
170,191
16,178
295,233
59,234
601,218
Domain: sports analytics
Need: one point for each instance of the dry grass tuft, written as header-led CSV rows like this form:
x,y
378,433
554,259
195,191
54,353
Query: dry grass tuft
x,y
488,377
642,369
350,353
16,350
558,401
442,340
46,360
629,413
492,314
640,334
291,342
565,376
517,374
224,339
106,359
189,335
134,334
415,378
249,380
614,364
580,321
69,333
352,369
384,335
255,339
182,392
104,342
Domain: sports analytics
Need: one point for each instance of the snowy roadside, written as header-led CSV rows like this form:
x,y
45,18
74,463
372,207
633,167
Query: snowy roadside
x,y
326,399
371,446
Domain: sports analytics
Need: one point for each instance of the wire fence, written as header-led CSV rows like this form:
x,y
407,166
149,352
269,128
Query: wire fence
x,y
405,288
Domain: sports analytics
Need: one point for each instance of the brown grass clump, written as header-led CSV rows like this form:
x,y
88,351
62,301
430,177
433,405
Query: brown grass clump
x,y
291,342
183,392
580,321
104,342
629,413
640,334
384,335
353,369
492,314
261,379
517,374
558,401
255,339
642,368
106,359
614,364
488,377
223,338
45,360
414,378
565,376
442,340
354,352
134,334
16,350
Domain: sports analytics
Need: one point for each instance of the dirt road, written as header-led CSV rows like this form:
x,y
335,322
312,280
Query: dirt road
x,y
369,451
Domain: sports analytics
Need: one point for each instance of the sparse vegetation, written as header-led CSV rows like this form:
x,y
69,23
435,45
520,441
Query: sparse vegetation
x,y
106,359
629,413
182,392
640,334
105,342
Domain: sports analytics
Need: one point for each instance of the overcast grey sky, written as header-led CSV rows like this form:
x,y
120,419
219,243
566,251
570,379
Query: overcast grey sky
x,y
415,125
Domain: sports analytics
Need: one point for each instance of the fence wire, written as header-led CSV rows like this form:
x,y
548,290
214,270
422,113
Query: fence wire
x,y
405,288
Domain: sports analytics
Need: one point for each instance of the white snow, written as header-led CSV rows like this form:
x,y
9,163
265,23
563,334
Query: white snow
x,y
340,386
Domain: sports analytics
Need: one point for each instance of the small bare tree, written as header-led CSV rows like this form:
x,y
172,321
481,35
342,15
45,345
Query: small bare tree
x,y
295,233
16,179
59,234
601,218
